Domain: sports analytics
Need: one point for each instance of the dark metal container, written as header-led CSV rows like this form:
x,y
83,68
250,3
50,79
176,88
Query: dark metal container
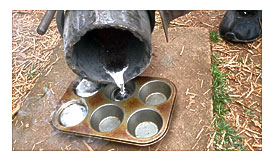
x,y
94,40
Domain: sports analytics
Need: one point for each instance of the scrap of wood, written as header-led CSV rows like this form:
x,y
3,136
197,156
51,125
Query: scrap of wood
x,y
252,131
196,143
88,146
37,143
206,92
191,101
246,143
237,121
14,111
248,134
208,25
49,71
252,89
199,133
237,96
182,48
255,145
189,93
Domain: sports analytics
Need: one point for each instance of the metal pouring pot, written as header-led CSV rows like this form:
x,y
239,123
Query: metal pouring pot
x,y
95,40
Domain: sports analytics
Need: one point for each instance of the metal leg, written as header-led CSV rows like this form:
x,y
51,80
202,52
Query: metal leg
x,y
46,21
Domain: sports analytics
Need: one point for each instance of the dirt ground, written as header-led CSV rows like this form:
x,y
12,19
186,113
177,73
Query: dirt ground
x,y
192,103
243,61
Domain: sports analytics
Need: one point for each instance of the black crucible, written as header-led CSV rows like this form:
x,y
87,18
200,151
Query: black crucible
x,y
97,39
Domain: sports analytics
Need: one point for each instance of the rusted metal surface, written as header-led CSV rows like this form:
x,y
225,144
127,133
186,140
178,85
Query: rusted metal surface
x,y
128,106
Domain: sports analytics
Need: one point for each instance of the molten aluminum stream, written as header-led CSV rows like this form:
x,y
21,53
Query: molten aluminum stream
x,y
118,95
119,80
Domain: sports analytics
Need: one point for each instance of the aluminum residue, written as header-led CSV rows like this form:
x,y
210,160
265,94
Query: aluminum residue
x,y
73,115
86,88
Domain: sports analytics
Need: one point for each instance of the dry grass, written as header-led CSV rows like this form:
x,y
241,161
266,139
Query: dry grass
x,y
30,53
243,63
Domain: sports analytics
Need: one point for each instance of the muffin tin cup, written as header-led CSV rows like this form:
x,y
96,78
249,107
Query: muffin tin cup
x,y
72,113
144,123
155,92
141,119
106,118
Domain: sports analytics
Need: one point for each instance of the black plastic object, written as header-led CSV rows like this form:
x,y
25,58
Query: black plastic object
x,y
94,39
241,25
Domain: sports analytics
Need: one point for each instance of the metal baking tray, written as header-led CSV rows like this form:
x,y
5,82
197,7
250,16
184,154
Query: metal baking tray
x,y
142,119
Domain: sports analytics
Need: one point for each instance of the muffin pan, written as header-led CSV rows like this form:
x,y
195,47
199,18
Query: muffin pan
x,y
141,119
